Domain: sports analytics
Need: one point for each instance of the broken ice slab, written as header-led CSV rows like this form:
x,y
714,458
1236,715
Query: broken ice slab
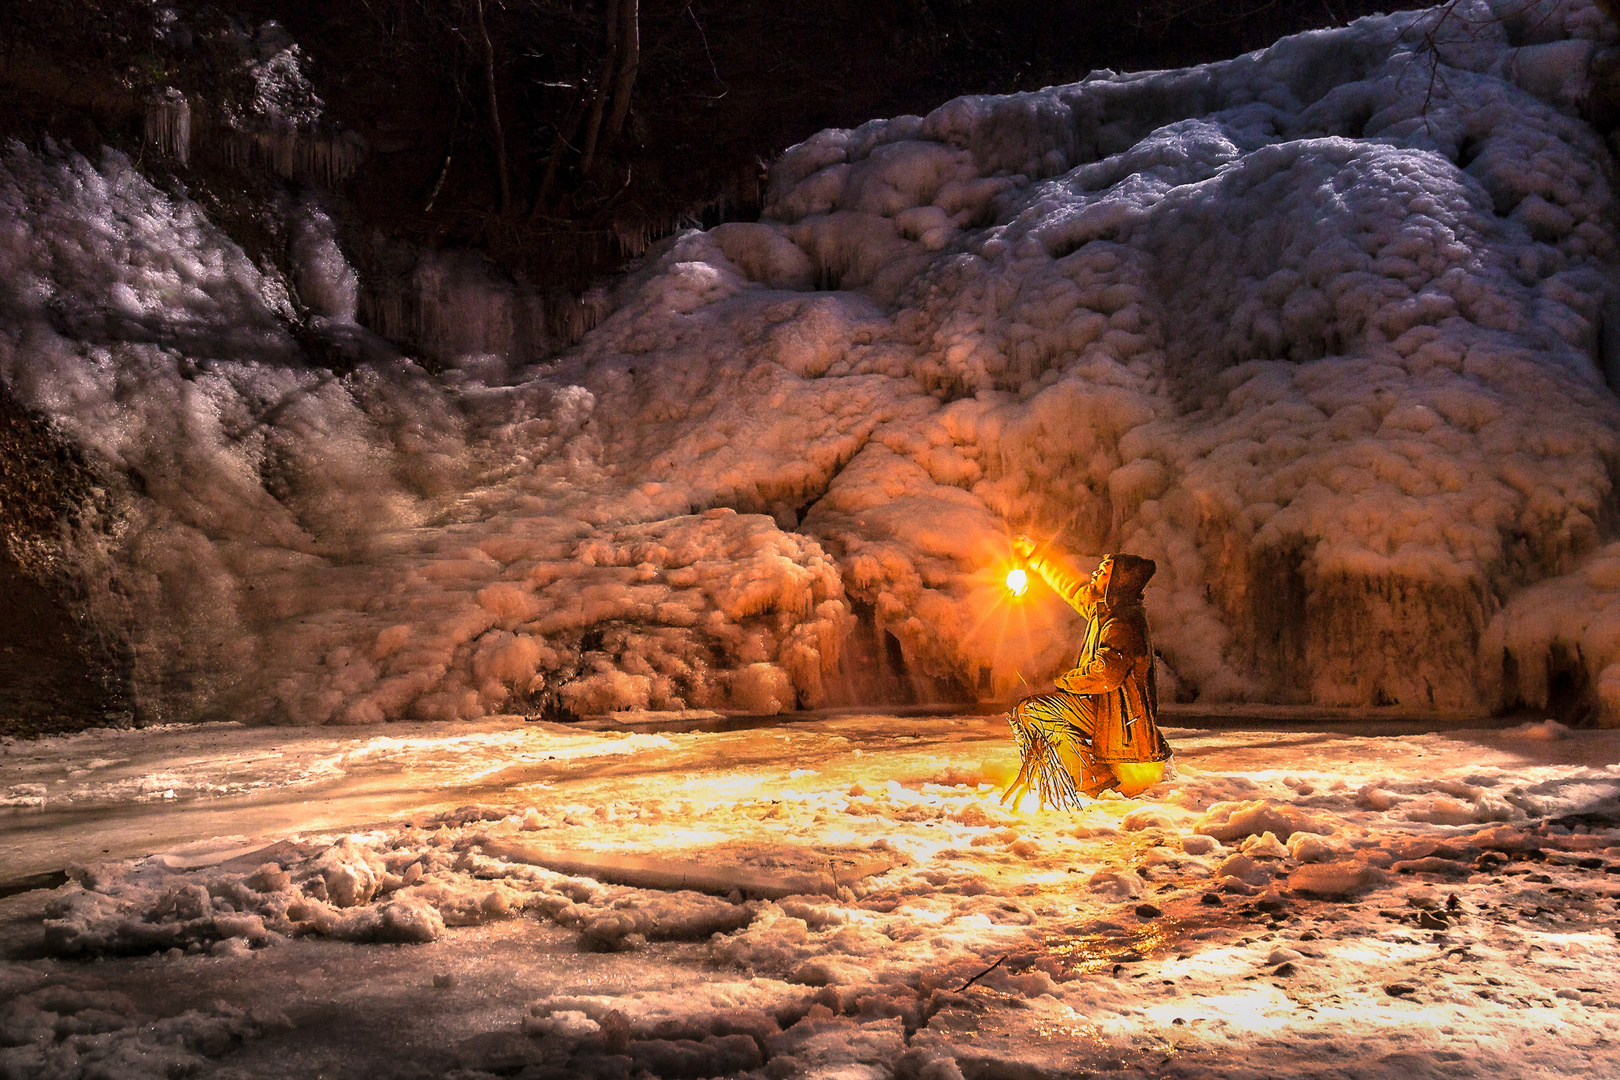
x,y
766,872
232,853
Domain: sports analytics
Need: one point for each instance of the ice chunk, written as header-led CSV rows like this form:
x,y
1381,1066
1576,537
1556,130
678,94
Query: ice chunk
x,y
1505,838
1540,731
1233,820
836,1043
1147,817
1116,884
1244,869
1311,848
1337,878
1373,797
1264,846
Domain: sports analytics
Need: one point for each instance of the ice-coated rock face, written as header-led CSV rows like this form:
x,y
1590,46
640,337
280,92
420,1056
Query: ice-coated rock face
x,y
1317,332
1320,329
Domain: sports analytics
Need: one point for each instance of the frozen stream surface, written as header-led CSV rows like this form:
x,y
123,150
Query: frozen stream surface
x,y
501,898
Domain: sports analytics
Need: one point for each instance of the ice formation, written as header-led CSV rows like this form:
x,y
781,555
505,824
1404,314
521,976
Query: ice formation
x,y
1321,329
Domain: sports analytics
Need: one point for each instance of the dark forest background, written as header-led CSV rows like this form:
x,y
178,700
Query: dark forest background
x,y
559,136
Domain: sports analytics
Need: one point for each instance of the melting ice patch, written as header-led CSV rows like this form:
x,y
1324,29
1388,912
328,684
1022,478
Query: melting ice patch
x,y
1319,333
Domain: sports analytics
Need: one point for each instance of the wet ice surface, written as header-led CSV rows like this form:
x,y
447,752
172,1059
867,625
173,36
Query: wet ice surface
x,y
1424,905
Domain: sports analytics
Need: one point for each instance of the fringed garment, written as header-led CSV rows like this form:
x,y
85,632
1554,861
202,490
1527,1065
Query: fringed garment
x,y
1053,733
1105,708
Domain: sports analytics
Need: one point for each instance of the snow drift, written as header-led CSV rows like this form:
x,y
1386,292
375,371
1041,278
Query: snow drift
x,y
1321,329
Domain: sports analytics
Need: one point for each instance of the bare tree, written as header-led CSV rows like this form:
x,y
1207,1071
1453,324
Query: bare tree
x,y
593,127
494,110
618,79
629,60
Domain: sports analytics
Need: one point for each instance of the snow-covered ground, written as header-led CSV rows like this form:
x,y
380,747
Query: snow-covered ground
x,y
1321,329
505,898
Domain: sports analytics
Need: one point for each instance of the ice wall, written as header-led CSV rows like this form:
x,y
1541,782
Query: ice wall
x,y
299,546
1320,329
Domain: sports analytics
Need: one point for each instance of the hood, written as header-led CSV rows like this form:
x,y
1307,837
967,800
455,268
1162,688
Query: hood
x,y
1130,576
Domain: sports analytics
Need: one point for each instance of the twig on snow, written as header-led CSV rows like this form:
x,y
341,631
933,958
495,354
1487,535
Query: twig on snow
x,y
980,975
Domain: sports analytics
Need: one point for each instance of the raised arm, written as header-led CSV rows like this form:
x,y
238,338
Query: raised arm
x,y
1065,580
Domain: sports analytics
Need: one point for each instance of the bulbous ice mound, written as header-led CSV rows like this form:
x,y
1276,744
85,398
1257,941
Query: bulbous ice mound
x,y
1319,329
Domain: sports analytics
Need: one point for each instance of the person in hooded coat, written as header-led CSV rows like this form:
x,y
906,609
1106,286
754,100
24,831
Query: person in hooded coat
x,y
1099,730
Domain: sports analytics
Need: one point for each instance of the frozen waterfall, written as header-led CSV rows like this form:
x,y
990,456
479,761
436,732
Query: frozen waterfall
x,y
1321,329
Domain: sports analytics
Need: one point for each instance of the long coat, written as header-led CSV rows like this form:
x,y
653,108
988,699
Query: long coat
x,y
1114,670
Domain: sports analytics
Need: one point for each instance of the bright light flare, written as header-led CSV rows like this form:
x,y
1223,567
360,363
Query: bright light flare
x,y
1017,581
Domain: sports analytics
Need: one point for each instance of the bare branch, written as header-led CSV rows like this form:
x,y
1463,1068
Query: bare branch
x,y
980,975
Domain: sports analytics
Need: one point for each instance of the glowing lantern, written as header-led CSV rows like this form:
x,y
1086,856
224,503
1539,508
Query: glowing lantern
x,y
1017,581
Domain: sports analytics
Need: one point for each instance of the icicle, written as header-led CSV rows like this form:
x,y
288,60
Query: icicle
x,y
295,154
632,239
168,124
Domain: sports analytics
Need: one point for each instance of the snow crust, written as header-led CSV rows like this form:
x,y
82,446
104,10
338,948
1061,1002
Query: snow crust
x,y
1319,329
1390,901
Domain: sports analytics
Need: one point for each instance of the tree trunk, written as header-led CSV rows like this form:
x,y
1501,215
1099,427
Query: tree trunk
x,y
449,152
629,61
495,111
566,130
593,129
